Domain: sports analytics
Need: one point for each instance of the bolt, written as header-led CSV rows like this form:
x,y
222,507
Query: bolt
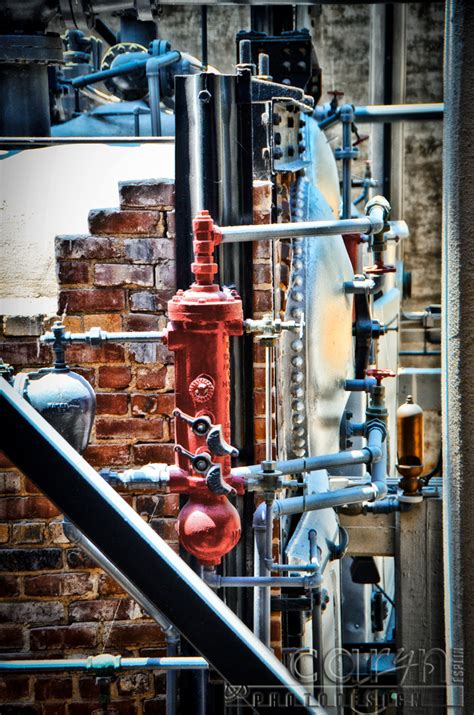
x,y
204,96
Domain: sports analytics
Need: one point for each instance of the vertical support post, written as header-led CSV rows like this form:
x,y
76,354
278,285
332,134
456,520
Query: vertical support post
x,y
458,350
419,600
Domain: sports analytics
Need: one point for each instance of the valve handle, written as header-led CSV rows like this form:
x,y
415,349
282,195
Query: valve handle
x,y
216,483
379,268
218,445
379,373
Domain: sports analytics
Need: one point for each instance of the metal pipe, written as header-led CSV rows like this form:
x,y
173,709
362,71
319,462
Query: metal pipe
x,y
97,337
104,662
347,116
118,71
71,483
216,581
365,455
299,229
153,69
398,113
375,113
268,401
77,537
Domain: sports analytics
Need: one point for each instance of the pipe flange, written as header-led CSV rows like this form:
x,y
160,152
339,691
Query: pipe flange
x,y
414,499
35,49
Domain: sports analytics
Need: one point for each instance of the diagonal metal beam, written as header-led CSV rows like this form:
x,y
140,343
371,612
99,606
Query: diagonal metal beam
x,y
145,559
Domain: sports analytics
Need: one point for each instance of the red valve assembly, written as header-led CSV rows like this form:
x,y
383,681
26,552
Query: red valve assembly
x,y
201,320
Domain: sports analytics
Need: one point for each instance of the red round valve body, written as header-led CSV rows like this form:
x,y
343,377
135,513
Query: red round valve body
x,y
208,527
201,320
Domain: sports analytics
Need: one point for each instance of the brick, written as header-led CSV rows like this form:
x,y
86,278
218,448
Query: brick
x,y
56,532
60,637
9,586
151,193
88,247
96,300
149,505
27,508
30,487
132,428
117,707
25,354
262,193
53,688
165,277
31,612
111,610
30,559
161,379
31,533
18,709
88,687
262,250
262,274
54,709
104,455
149,250
72,272
147,301
4,461
112,403
64,584
116,377
10,483
22,325
166,528
13,688
142,321
73,323
11,637
119,274
88,373
153,404
135,683
108,587
156,706
153,453
78,559
262,301
107,321
146,353
171,223
131,222
125,635
85,354
4,533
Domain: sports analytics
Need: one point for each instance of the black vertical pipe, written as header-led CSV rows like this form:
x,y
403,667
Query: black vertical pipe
x,y
204,50
458,352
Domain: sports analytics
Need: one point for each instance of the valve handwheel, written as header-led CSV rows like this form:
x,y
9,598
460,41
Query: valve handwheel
x,y
379,373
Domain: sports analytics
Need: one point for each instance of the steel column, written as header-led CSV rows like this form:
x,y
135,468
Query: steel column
x,y
458,351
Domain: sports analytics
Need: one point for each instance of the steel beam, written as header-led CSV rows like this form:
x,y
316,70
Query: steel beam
x,y
458,352
144,558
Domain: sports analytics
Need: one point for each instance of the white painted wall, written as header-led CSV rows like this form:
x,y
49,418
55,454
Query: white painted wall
x,y
48,192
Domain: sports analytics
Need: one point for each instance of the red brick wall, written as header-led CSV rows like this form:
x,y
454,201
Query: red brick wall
x,y
54,601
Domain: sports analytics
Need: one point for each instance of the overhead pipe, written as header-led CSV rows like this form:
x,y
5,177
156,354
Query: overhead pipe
x,y
383,113
100,513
